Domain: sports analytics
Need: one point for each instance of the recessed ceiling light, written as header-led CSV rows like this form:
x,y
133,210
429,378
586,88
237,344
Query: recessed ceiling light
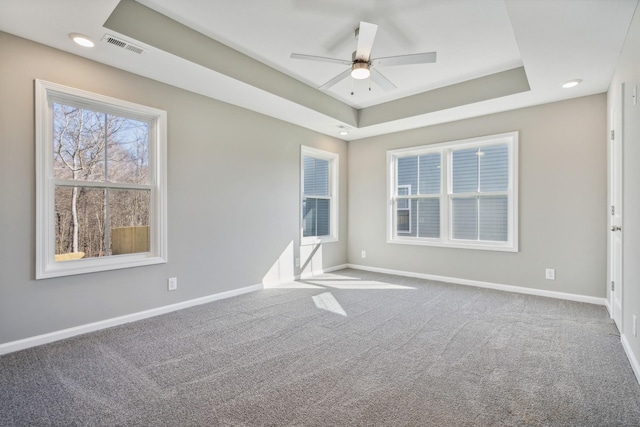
x,y
81,39
343,133
571,83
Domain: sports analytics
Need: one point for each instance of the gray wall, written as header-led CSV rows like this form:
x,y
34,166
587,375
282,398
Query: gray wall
x,y
628,72
225,161
233,192
563,199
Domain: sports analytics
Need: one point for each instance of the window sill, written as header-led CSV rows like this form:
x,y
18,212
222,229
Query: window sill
x,y
307,241
485,246
93,265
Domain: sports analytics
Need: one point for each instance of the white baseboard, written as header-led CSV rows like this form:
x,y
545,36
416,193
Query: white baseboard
x,y
309,275
336,268
22,344
633,359
488,285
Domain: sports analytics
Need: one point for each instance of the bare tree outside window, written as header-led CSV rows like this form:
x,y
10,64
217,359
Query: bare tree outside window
x,y
91,151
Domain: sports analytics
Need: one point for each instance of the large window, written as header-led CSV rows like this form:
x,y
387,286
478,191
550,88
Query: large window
x,y
319,196
456,194
101,200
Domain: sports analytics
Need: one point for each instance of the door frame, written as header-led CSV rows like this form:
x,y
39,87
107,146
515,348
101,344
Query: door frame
x,y
615,282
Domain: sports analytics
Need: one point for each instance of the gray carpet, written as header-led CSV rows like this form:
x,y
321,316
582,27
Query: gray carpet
x,y
431,354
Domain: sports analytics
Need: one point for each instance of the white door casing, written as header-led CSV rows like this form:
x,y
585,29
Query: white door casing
x,y
616,286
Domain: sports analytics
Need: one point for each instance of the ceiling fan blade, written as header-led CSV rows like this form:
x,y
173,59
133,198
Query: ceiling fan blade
x,y
381,80
320,58
366,36
336,79
416,58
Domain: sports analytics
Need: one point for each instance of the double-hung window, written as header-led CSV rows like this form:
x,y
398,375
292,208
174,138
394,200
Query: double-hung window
x,y
319,207
455,194
101,182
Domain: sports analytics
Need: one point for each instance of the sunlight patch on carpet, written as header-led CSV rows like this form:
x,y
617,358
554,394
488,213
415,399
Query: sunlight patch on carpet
x,y
326,301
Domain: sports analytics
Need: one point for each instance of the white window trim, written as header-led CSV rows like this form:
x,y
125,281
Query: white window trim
x,y
445,149
333,159
46,266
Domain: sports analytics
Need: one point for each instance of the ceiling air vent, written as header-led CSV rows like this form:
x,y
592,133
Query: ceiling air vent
x,y
123,44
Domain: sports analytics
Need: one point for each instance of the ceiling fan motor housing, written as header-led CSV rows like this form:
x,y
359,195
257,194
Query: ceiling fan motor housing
x,y
360,70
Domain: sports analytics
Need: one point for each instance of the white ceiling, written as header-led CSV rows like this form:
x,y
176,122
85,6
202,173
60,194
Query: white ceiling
x,y
555,41
472,38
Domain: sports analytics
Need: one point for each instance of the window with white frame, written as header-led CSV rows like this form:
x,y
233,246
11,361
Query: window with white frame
x,y
101,182
319,201
455,194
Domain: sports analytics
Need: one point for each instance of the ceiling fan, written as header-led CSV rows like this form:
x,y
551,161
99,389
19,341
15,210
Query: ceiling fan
x,y
361,64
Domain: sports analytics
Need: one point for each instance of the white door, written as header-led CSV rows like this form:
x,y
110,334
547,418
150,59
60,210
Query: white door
x,y
615,224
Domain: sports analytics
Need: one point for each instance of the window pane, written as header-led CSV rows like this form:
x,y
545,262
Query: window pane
x,y
403,203
465,218
322,217
315,217
494,218
465,171
129,221
127,150
403,221
82,138
408,174
308,217
309,168
429,167
78,143
316,177
79,222
494,168
429,218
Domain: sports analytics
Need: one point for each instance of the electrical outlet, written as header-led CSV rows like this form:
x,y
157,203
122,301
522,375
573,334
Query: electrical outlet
x,y
550,274
635,326
363,254
172,283
297,262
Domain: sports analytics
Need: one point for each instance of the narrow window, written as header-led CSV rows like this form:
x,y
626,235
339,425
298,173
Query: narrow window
x,y
319,202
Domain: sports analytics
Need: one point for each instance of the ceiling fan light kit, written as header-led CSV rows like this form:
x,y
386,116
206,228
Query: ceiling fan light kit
x,y
361,64
360,70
